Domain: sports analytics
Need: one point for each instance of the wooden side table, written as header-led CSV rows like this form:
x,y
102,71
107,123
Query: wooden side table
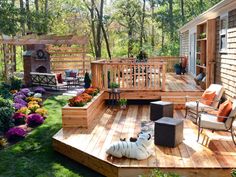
x,y
114,97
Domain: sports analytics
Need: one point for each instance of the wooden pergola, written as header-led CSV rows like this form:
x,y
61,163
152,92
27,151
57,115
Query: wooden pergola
x,y
8,44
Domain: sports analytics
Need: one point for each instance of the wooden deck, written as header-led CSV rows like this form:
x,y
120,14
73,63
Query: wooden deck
x,y
181,83
214,155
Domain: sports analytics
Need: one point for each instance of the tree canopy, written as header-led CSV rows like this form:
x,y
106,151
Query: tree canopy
x,y
115,27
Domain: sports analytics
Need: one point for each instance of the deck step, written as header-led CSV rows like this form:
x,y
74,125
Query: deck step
x,y
179,101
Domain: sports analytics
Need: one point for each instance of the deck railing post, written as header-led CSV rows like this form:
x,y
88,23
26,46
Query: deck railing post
x,y
163,86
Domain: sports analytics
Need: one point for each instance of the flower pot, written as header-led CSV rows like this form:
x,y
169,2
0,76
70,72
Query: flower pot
x,y
178,70
122,106
114,89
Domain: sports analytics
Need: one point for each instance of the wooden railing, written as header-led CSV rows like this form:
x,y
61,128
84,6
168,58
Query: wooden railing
x,y
129,75
169,60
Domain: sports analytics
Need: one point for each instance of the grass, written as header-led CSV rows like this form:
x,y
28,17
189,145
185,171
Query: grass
x,y
35,156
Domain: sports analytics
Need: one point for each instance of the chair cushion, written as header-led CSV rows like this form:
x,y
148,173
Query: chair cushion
x,y
193,105
73,74
67,72
210,121
224,110
59,78
207,97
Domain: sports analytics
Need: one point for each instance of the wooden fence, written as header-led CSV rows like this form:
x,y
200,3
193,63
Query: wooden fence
x,y
64,57
130,76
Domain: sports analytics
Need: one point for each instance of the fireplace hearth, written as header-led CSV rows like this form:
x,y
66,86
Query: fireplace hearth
x,y
36,59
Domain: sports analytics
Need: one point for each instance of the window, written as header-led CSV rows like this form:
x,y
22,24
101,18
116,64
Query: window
x,y
223,32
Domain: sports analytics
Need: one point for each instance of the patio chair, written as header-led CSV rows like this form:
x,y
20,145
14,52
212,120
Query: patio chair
x,y
195,107
211,122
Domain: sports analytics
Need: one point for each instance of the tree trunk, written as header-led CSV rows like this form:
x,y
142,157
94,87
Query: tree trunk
x,y
153,29
22,21
106,41
162,33
13,2
28,14
182,11
130,41
142,25
171,19
93,28
99,28
36,3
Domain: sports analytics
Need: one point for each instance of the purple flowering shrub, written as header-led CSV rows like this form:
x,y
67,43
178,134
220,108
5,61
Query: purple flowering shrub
x,y
25,91
15,134
20,95
17,106
39,90
34,120
20,101
19,118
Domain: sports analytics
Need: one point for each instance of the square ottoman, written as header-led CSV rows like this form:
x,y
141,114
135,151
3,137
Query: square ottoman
x,y
168,132
159,109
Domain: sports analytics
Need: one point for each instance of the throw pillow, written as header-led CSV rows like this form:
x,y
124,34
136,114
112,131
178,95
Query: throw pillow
x,y
59,78
224,110
67,72
73,74
208,97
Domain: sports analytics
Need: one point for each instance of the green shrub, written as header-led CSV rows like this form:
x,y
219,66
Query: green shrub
x,y
5,91
233,173
6,111
158,173
114,85
16,83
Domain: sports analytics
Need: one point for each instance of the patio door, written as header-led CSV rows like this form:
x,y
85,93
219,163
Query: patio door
x,y
192,52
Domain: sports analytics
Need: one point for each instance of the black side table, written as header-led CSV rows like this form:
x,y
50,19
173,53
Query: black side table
x,y
114,97
159,109
168,132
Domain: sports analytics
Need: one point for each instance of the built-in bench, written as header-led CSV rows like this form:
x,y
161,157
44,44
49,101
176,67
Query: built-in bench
x,y
46,80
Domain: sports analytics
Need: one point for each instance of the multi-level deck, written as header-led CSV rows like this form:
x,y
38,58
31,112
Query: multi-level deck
x,y
213,155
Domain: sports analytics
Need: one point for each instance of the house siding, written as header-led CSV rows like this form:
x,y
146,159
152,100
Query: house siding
x,y
184,44
226,62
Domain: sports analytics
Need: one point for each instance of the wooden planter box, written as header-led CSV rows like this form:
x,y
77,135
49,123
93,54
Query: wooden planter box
x,y
81,117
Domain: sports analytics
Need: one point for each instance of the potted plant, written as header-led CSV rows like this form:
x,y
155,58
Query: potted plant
x,y
177,68
122,102
114,86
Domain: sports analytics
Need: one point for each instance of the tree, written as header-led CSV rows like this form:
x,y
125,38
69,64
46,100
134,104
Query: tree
x,y
142,24
127,15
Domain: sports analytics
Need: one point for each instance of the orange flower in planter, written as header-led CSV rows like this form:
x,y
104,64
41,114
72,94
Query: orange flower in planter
x,y
86,97
77,101
92,91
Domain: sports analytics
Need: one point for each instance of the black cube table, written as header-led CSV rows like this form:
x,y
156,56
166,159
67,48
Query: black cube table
x,y
159,109
168,132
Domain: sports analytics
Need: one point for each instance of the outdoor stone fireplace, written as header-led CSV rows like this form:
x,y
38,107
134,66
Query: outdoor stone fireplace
x,y
36,59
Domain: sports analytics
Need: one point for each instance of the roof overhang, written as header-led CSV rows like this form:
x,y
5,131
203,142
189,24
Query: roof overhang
x,y
213,12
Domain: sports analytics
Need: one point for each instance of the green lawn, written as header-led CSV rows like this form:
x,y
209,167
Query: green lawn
x,y
35,156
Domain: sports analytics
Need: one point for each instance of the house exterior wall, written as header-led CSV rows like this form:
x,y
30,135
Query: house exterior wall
x,y
184,44
225,72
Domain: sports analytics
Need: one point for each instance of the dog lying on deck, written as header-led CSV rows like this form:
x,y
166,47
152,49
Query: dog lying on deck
x,y
137,150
